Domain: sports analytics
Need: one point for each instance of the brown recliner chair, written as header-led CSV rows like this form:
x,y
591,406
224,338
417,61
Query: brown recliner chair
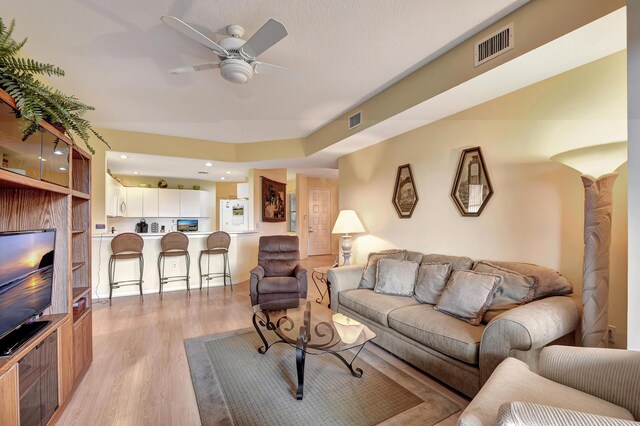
x,y
278,275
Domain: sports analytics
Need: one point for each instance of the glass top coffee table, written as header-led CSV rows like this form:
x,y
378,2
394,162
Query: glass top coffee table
x,y
311,329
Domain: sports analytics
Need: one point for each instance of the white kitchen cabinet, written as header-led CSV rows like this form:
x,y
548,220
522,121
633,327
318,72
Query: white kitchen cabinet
x,y
150,206
168,203
190,203
242,190
134,202
205,207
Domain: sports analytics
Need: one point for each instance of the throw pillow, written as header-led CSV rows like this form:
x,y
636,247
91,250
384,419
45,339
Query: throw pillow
x,y
468,295
396,277
432,278
516,289
368,279
550,282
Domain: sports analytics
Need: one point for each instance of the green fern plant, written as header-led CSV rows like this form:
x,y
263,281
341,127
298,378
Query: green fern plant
x,y
35,100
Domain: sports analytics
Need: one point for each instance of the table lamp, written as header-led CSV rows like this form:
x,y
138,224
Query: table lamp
x,y
348,329
347,223
597,165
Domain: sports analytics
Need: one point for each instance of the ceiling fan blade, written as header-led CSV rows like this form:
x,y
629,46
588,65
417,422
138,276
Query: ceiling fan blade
x,y
201,67
270,33
263,68
194,34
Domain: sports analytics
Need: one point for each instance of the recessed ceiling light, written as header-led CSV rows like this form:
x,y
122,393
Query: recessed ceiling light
x,y
124,157
227,172
42,159
136,173
62,168
208,164
58,152
222,178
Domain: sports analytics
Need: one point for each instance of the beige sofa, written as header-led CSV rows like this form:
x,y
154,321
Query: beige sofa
x,y
574,386
458,353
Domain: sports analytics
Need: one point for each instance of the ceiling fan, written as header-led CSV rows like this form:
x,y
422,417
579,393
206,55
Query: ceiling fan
x,y
237,57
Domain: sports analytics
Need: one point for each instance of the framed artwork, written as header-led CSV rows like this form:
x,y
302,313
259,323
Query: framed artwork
x,y
274,201
472,187
405,195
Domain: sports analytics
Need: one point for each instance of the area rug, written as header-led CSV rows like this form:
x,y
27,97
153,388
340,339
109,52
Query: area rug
x,y
235,385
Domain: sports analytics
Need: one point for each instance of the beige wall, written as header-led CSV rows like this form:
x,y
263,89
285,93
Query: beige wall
x,y
633,87
536,214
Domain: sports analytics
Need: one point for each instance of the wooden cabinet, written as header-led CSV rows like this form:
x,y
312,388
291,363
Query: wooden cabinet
x,y
38,375
190,203
169,203
65,359
150,202
134,202
82,346
9,401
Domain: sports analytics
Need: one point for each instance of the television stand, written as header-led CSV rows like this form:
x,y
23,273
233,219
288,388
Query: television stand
x,y
18,337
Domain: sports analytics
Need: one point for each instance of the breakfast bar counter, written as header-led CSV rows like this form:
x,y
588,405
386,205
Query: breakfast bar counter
x,y
243,255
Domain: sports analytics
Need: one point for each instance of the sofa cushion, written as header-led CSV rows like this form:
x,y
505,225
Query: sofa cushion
x,y
515,289
396,277
438,331
279,285
432,278
549,282
468,295
372,305
414,256
513,381
370,272
457,262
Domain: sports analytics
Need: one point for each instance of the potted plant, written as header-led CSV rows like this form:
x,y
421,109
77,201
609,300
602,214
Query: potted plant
x,y
36,100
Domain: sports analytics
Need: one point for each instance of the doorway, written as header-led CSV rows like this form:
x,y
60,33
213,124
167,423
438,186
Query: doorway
x,y
319,221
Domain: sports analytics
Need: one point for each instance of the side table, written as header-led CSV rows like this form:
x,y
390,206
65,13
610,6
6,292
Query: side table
x,y
319,276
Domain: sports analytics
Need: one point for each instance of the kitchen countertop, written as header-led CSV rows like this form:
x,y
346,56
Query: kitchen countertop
x,y
160,234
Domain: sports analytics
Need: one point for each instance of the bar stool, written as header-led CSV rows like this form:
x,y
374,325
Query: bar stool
x,y
125,246
217,243
173,244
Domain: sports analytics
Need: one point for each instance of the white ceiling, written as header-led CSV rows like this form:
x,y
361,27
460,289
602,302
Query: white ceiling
x,y
116,54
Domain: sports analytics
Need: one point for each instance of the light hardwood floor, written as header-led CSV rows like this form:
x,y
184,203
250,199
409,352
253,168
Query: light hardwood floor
x,y
140,374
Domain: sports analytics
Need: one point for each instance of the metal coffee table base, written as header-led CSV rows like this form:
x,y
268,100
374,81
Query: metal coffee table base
x,y
301,344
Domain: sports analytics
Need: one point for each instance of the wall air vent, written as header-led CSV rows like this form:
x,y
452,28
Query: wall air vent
x,y
494,45
355,120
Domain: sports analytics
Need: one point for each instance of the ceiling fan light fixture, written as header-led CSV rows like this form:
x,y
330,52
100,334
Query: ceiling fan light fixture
x,y
236,71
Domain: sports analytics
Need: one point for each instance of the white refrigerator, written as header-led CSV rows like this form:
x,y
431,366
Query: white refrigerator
x,y
234,215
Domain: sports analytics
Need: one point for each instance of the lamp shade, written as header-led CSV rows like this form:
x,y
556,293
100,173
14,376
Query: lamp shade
x,y
595,160
348,329
347,223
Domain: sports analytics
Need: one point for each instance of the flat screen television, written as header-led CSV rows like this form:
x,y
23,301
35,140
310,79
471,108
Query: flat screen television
x,y
26,276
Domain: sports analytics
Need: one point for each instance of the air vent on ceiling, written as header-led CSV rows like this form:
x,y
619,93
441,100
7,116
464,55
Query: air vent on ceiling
x,y
494,45
355,120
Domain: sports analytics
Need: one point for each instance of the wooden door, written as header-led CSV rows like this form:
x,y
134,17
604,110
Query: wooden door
x,y
9,406
319,221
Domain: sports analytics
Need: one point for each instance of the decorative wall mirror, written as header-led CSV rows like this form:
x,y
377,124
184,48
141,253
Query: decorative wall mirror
x,y
405,195
472,187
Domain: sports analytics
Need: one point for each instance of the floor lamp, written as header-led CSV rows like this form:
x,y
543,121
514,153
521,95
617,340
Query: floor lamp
x,y
597,165
347,223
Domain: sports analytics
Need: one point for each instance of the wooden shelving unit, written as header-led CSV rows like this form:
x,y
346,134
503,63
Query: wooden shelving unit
x,y
28,202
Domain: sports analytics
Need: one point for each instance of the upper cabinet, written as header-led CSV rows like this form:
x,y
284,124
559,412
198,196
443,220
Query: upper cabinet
x,y
134,202
190,203
169,203
150,203
116,202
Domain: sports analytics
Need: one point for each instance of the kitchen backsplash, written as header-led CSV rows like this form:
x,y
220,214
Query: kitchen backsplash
x,y
128,224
